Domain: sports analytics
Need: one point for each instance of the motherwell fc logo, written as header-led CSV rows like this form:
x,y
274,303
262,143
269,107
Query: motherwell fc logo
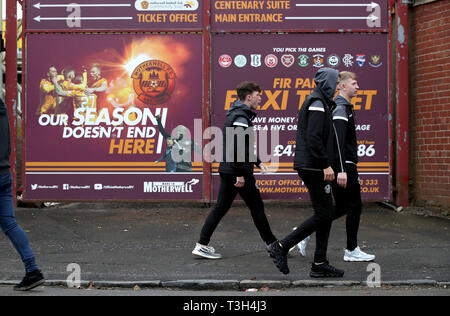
x,y
153,82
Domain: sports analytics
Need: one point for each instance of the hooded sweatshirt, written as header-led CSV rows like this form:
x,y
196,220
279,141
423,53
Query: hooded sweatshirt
x,y
238,153
5,141
317,146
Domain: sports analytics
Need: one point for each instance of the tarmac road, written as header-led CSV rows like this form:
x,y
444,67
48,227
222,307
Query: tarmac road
x,y
133,242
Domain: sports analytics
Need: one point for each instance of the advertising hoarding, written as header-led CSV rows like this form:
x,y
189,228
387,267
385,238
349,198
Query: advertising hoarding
x,y
284,66
109,152
105,112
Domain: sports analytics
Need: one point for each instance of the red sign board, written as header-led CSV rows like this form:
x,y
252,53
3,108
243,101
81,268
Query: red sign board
x,y
114,15
298,15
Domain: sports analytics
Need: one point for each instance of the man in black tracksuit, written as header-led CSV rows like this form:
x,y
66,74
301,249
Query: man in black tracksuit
x,y
236,170
347,189
315,153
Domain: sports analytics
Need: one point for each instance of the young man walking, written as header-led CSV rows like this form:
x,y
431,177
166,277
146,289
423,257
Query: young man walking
x,y
314,155
236,170
12,230
347,189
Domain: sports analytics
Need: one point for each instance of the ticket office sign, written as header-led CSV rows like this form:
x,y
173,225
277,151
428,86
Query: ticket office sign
x,y
284,66
104,113
297,15
114,15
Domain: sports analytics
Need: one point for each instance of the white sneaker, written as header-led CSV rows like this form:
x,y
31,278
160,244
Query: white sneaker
x,y
302,246
295,245
357,256
206,252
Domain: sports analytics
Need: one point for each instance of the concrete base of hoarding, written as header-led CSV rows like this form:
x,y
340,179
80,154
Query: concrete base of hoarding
x,y
148,245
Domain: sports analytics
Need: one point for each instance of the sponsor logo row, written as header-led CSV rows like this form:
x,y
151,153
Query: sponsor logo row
x,y
148,187
304,60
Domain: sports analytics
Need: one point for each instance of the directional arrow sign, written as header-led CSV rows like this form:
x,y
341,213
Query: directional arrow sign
x,y
373,5
117,15
370,17
39,19
38,5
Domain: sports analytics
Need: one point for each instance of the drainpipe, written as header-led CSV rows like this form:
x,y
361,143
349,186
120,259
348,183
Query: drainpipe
x,y
402,105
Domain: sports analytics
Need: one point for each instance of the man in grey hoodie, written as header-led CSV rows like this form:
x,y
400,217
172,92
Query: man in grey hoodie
x,y
316,149
346,188
8,224
236,170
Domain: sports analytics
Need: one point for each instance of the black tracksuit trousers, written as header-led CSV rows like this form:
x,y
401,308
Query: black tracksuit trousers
x,y
320,222
348,201
252,198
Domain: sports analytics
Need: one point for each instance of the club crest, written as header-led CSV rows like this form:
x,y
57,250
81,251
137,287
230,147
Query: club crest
x,y
154,82
288,60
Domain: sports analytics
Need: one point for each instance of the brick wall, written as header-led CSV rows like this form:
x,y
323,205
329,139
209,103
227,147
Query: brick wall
x,y
430,102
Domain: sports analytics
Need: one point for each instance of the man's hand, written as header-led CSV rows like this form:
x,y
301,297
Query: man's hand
x,y
328,174
342,179
263,167
240,182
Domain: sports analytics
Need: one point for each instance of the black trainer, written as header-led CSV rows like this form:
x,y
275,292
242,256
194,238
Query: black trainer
x,y
325,270
30,281
279,256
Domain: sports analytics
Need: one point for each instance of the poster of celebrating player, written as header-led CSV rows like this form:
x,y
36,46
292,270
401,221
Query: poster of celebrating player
x,y
110,117
284,66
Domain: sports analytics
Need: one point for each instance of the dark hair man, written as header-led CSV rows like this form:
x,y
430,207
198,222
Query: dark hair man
x,y
236,174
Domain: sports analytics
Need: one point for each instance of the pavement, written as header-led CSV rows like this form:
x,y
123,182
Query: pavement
x,y
121,245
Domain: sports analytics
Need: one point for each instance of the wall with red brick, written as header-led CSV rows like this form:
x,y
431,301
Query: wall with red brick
x,y
430,102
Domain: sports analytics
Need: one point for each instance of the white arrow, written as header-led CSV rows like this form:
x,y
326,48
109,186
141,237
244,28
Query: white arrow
x,y
38,5
39,19
373,5
370,17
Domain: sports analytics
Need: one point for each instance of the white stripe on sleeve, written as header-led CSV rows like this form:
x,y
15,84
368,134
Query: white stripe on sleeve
x,y
240,124
314,108
340,118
